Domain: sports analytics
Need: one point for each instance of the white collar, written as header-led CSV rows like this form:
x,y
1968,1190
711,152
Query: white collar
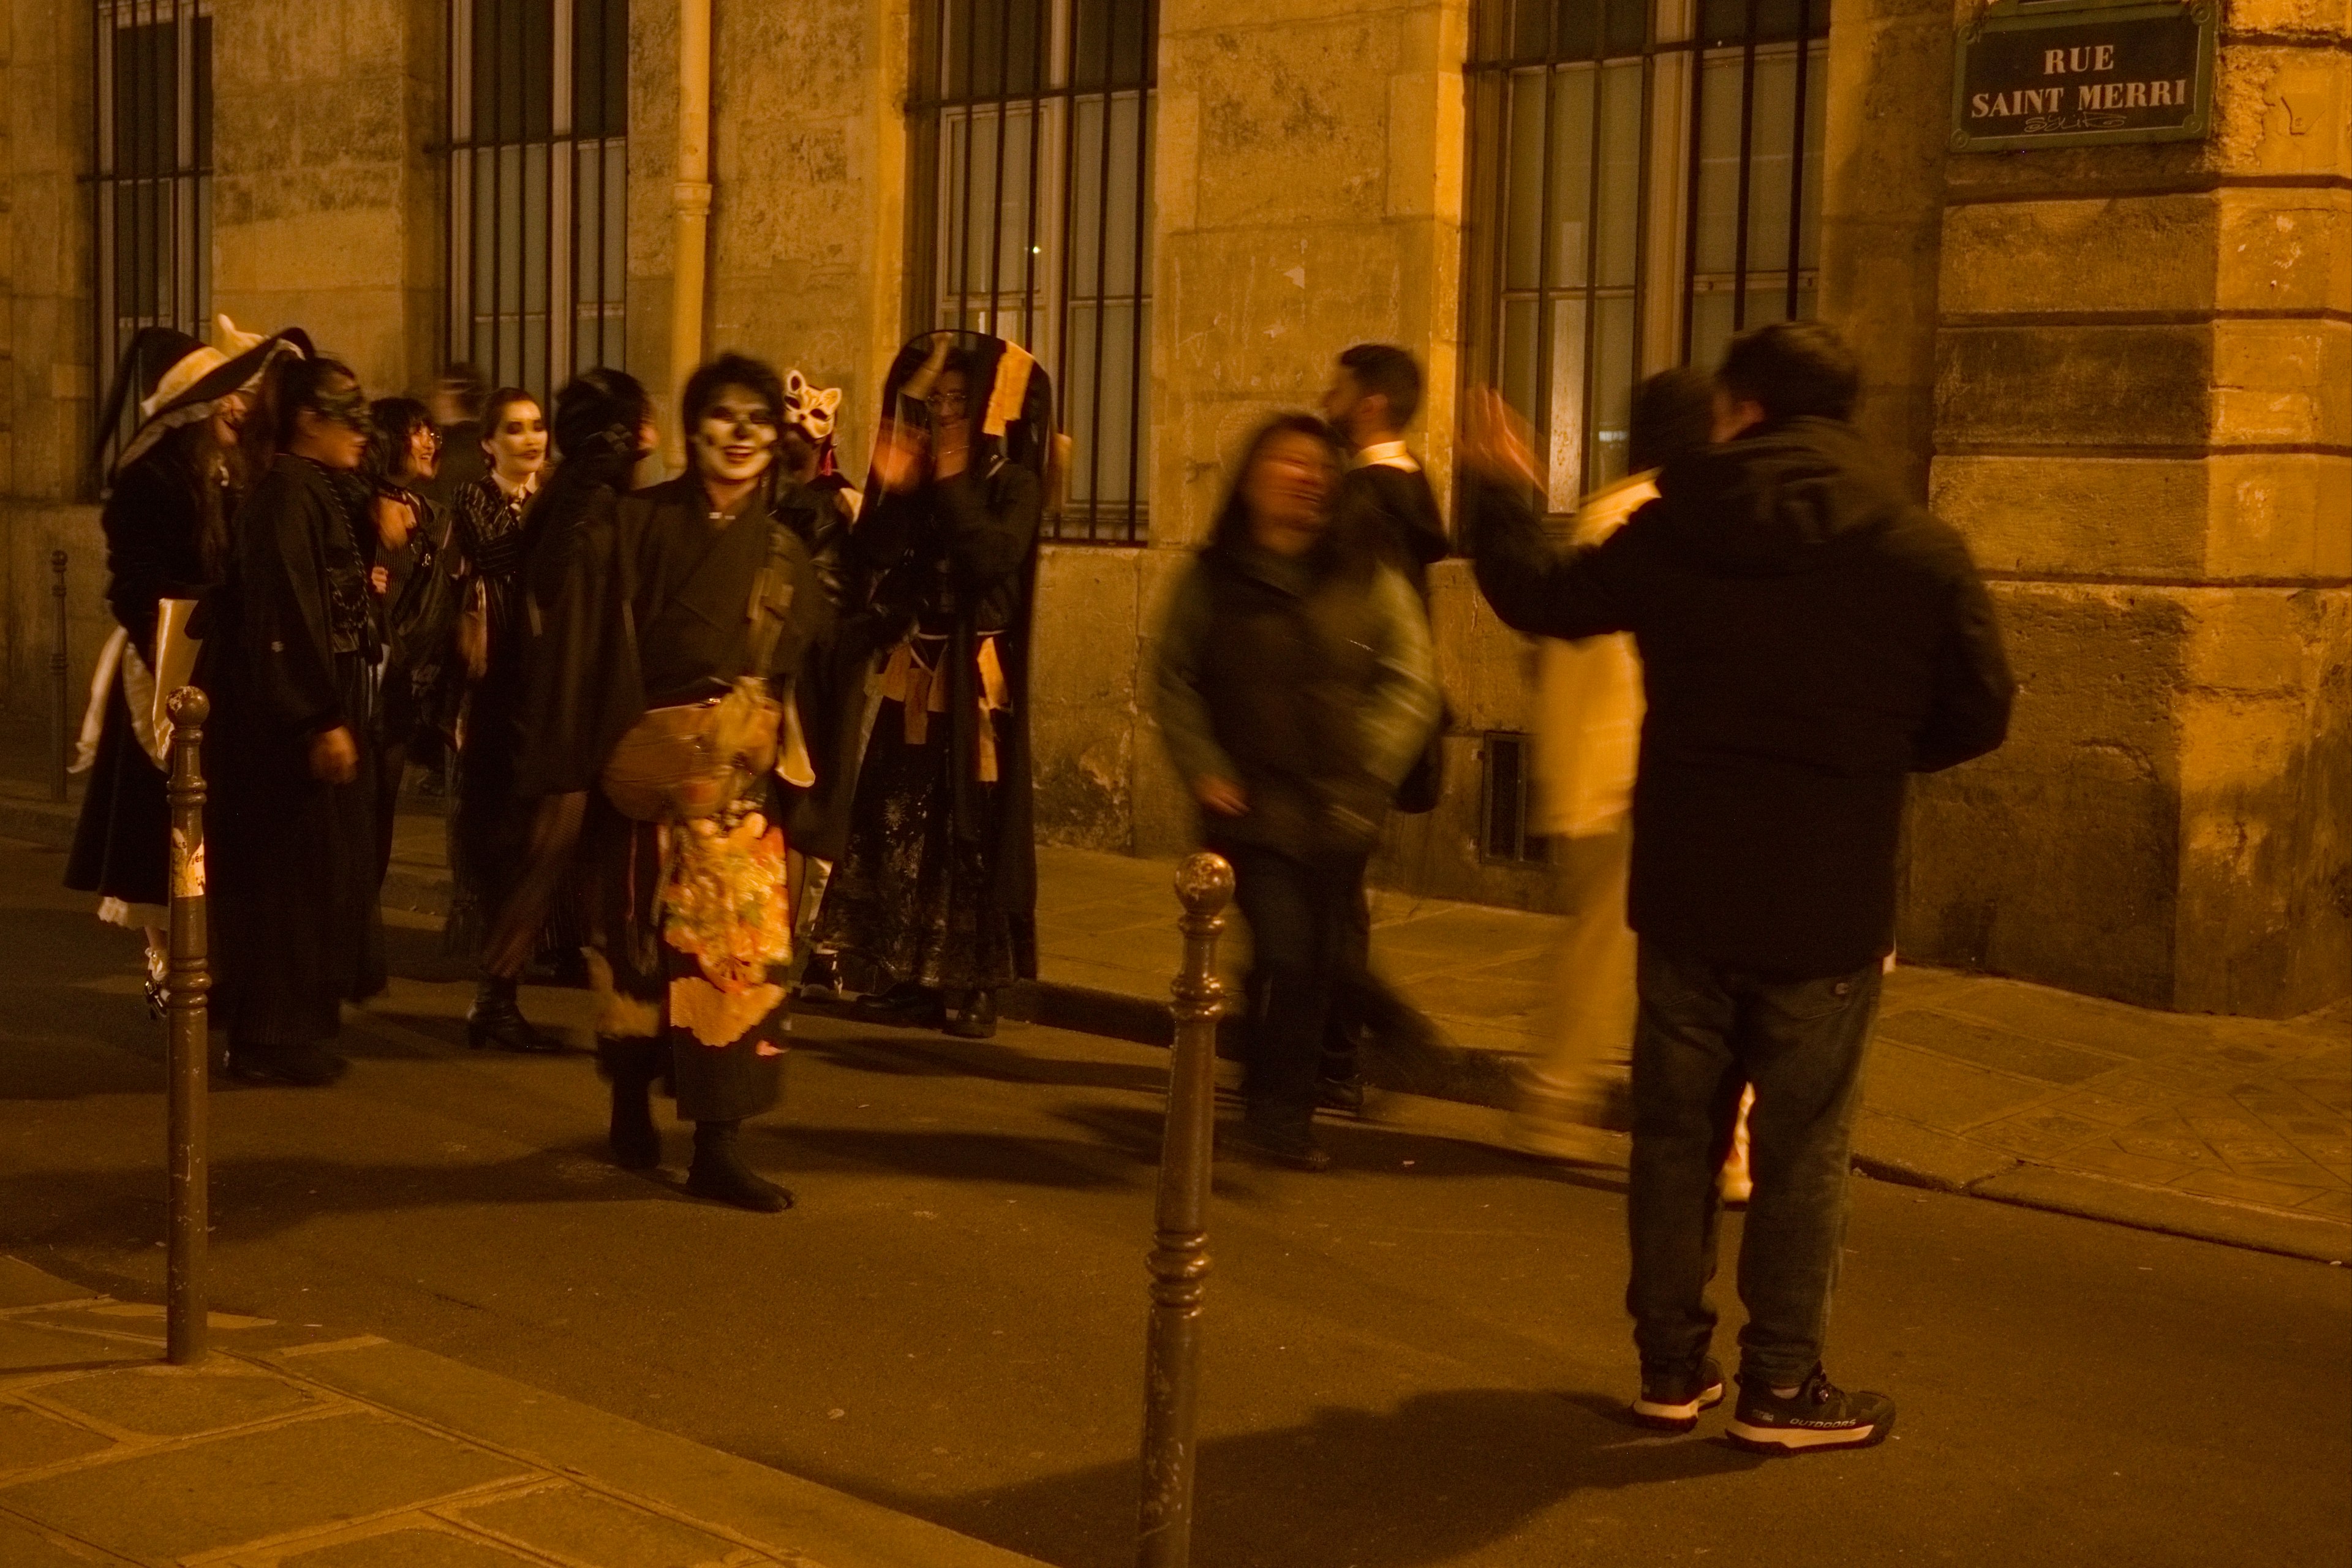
x,y
1387,454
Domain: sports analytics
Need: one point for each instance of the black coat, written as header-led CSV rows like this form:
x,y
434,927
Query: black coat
x,y
296,929
1808,637
153,522
1393,512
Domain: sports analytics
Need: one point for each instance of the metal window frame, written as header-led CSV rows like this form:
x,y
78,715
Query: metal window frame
x,y
1526,848
170,242
947,286
1666,278
582,317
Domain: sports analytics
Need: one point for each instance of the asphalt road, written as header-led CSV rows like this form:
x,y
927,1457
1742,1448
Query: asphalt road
x,y
1413,1360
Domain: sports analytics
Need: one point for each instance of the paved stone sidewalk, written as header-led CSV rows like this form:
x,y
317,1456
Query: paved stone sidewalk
x,y
292,1449
2233,1129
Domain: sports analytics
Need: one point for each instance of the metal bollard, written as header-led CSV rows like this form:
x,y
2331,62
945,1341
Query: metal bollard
x,y
61,734
1180,1260
187,985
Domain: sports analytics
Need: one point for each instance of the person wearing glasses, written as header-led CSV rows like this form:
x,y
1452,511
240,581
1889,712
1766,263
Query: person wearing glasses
x,y
292,851
933,906
407,531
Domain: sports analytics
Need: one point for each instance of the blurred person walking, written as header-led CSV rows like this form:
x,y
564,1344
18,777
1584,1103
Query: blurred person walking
x,y
676,622
1294,688
1385,505
1586,739
478,708
458,399
167,520
1808,637
292,849
935,897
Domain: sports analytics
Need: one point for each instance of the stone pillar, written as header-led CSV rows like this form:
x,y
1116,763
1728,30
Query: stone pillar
x,y
1310,196
2142,425
327,194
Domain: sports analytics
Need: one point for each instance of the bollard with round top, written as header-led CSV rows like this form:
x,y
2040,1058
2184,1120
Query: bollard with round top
x,y
1179,1259
187,987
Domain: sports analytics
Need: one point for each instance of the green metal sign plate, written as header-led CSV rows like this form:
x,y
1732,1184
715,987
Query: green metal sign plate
x,y
2082,73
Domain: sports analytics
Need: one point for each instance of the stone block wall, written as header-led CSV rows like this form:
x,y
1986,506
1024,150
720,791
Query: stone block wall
x,y
2141,425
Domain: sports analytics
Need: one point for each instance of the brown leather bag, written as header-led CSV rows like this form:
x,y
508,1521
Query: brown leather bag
x,y
691,759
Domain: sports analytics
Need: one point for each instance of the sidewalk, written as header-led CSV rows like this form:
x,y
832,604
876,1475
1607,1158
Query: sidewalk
x,y
292,1447
2233,1130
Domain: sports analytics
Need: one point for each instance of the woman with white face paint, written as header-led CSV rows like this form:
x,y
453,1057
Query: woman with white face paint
x,y
479,708
933,906
680,615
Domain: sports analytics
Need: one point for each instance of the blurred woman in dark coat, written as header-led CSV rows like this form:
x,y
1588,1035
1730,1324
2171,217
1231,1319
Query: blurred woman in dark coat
x,y
936,897
167,520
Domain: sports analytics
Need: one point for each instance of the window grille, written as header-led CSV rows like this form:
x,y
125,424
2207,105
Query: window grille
x,y
538,98
1506,788
152,157
1646,181
1031,130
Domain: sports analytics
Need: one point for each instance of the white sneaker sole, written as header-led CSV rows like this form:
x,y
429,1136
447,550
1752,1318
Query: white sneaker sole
x,y
1680,1418
1805,1439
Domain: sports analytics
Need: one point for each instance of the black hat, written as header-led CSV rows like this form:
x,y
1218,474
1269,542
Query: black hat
x,y
178,380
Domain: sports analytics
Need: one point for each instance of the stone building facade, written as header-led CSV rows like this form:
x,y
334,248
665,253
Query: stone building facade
x,y
2123,370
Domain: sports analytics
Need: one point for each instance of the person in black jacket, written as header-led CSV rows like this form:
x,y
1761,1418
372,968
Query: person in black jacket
x,y
1385,506
1808,637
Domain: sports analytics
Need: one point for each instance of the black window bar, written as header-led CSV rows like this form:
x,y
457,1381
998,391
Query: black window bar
x,y
1582,118
538,188
151,155
1031,124
1508,790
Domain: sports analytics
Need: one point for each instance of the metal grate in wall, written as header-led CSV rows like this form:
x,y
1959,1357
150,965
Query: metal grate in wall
x,y
151,157
1646,182
1507,785
538,188
1031,130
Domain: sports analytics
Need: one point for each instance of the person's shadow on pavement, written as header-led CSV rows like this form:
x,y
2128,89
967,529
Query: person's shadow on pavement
x,y
1439,1475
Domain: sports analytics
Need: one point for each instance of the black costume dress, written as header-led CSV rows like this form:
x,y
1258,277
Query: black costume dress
x,y
153,522
295,926
489,821
647,605
938,882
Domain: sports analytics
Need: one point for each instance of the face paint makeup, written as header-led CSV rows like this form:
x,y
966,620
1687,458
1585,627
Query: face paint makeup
x,y
735,439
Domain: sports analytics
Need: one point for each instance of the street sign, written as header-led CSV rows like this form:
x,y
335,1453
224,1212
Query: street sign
x,y
2079,73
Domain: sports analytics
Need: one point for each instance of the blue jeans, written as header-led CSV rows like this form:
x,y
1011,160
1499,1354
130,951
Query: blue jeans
x,y
1300,915
1705,1031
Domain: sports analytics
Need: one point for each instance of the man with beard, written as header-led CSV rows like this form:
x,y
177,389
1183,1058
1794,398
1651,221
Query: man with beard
x,y
678,618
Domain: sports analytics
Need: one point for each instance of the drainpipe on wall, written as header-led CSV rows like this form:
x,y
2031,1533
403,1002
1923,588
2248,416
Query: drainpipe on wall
x,y
690,198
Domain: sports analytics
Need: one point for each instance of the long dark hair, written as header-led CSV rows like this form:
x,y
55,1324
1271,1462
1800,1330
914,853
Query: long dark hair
x,y
494,412
212,477
1232,524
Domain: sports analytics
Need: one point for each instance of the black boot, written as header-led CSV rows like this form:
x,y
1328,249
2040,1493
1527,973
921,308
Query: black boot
x,y
632,1065
496,1019
975,1019
719,1172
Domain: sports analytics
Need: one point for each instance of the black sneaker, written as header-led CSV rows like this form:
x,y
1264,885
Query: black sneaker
x,y
1819,1415
1670,1401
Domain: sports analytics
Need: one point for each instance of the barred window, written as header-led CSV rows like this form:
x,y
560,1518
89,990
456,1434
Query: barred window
x,y
152,158
1031,130
539,102
1646,181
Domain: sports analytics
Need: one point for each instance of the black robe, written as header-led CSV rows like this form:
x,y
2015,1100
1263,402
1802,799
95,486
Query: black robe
x,y
295,925
643,602
938,883
153,522
490,817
